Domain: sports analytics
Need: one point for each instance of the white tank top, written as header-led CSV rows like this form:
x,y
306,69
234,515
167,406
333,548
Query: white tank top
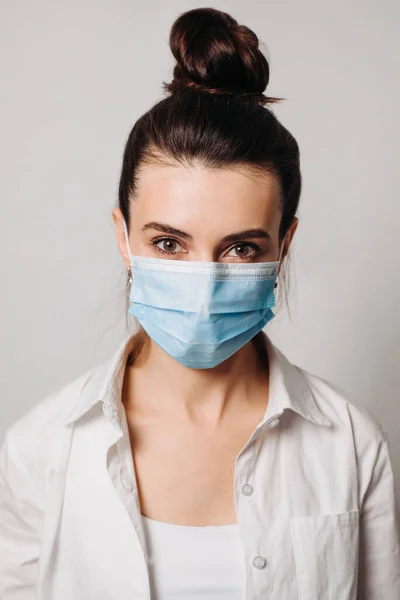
x,y
188,562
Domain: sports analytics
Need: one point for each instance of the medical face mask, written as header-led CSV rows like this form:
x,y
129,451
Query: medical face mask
x,y
201,313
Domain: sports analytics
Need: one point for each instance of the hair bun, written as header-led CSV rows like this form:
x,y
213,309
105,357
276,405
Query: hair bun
x,y
217,55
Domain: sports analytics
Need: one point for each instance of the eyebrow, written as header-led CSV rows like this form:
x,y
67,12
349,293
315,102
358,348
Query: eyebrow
x,y
232,237
167,229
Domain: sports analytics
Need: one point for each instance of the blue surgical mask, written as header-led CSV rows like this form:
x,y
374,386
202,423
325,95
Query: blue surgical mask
x,y
201,313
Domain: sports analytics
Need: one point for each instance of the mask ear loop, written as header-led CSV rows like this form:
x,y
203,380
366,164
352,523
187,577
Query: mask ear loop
x,y
282,248
280,256
129,278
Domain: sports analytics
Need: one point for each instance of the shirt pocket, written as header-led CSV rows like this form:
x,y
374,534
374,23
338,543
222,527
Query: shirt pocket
x,y
326,555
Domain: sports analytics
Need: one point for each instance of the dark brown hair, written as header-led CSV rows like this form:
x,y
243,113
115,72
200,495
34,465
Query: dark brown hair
x,y
215,112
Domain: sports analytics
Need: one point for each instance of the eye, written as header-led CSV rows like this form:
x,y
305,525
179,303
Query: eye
x,y
167,245
244,250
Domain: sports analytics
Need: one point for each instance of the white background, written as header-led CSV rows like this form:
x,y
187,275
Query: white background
x,y
76,76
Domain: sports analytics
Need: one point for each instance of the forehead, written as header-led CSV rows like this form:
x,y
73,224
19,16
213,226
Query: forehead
x,y
195,196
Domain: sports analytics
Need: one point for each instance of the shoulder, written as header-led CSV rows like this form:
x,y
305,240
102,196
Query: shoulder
x,y
354,432
34,436
342,408
322,400
39,435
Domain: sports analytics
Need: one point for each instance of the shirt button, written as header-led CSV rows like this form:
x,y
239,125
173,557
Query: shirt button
x,y
110,411
259,562
247,489
273,423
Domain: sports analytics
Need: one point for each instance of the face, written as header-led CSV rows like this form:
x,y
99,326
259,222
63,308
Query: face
x,y
201,214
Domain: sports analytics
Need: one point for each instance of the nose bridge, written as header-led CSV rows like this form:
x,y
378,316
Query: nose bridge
x,y
205,248
204,255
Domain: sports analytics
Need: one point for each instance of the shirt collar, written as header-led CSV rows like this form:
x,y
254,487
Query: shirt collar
x,y
289,389
288,386
104,383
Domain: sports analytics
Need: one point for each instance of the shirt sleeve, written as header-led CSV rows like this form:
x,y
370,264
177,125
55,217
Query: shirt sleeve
x,y
379,564
21,518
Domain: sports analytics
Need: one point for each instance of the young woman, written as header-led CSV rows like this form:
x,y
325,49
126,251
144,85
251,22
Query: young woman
x,y
200,463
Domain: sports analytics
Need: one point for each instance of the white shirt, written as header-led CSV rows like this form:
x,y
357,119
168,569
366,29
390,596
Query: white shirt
x,y
313,492
188,562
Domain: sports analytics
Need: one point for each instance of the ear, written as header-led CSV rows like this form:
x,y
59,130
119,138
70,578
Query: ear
x,y
120,235
288,238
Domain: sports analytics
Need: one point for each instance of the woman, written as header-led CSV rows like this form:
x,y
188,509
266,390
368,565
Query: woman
x,y
200,463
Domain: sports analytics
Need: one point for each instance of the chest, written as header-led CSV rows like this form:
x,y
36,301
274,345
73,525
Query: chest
x,y
186,474
297,519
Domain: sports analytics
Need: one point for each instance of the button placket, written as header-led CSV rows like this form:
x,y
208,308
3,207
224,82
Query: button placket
x,y
256,542
248,512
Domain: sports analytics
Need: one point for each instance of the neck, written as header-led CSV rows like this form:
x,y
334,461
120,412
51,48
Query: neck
x,y
157,382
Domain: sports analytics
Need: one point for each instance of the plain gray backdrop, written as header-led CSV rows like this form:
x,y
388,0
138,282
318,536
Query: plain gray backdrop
x,y
76,76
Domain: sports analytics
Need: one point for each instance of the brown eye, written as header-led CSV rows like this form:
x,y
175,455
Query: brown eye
x,y
243,251
167,245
